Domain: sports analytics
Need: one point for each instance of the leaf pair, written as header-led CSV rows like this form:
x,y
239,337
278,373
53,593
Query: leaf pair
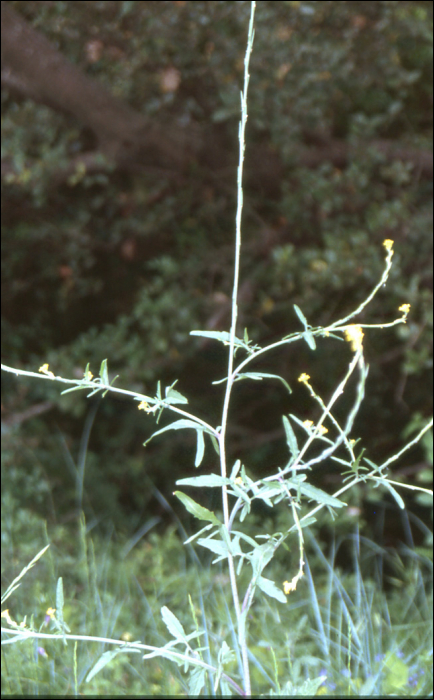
x,y
87,381
200,430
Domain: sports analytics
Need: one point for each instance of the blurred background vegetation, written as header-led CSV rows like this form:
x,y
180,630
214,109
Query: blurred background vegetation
x,y
119,154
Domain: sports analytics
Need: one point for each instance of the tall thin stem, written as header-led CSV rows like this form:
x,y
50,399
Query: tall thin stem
x,y
222,437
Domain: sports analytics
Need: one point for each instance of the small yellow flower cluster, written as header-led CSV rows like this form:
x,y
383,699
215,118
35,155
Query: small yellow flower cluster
x,y
321,429
289,586
405,308
88,375
354,335
44,370
239,481
304,378
144,406
127,637
388,244
5,616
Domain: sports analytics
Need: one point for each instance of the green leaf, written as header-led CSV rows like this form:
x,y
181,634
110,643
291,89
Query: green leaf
x,y
355,465
196,681
107,657
217,546
204,480
310,340
270,588
215,444
198,534
200,448
214,481
223,336
246,538
59,605
291,439
15,583
264,496
177,425
226,654
238,492
77,388
174,396
301,316
261,556
298,421
235,469
372,464
320,496
195,509
393,491
270,491
102,661
103,372
305,522
307,335
111,384
245,511
173,624
95,391
260,375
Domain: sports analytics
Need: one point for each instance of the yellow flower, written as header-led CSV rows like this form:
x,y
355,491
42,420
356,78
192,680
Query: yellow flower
x,y
88,376
354,335
144,406
289,586
405,308
308,423
322,430
44,370
5,615
388,244
51,612
239,481
304,378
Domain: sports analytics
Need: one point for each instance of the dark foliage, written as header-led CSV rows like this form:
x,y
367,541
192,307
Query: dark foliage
x,y
120,125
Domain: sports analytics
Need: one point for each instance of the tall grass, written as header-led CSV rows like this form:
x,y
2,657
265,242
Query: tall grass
x,y
243,631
